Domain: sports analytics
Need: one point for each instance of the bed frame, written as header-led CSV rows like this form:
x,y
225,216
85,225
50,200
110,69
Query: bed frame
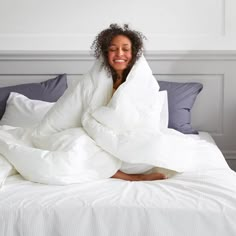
x,y
214,110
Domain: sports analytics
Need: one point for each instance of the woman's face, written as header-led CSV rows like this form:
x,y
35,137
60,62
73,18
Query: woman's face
x,y
120,53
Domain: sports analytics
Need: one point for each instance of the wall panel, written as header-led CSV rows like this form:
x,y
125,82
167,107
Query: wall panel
x,y
72,25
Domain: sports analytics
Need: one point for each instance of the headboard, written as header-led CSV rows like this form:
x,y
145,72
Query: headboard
x,y
215,107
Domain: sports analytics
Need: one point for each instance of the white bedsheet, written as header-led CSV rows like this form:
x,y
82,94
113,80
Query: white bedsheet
x,y
191,203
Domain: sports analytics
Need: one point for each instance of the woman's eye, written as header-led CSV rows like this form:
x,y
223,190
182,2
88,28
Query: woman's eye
x,y
115,49
112,49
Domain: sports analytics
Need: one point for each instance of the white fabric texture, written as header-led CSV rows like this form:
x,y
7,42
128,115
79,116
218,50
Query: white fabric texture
x,y
24,112
196,203
20,112
6,170
88,133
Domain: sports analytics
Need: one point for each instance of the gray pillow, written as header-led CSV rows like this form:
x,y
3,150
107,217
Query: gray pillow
x,y
50,91
181,97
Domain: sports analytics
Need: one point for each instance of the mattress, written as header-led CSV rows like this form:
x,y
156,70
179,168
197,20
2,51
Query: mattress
x,y
191,203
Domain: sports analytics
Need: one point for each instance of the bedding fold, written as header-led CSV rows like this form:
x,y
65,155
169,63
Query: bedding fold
x,y
89,133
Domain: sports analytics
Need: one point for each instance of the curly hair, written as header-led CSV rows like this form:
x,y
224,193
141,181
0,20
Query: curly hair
x,y
103,40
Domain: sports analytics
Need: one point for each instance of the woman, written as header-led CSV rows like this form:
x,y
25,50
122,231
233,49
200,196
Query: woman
x,y
120,48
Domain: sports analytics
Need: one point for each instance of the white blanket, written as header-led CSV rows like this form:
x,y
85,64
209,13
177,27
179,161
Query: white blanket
x,y
89,133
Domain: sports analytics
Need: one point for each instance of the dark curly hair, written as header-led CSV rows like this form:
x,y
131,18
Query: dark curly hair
x,y
103,40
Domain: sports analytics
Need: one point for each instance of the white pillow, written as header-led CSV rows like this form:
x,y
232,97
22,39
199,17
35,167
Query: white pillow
x,y
6,169
24,112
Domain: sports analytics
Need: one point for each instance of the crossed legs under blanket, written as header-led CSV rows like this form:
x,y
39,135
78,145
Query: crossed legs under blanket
x,y
89,133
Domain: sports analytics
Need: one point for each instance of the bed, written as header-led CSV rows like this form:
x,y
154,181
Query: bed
x,y
202,203
199,202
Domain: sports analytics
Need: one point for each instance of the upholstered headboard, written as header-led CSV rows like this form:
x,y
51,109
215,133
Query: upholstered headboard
x,y
214,110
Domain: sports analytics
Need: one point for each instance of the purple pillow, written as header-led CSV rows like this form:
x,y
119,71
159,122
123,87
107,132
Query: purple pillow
x,y
50,91
181,97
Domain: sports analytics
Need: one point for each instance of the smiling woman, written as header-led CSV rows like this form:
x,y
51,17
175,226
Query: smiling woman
x,y
120,54
119,48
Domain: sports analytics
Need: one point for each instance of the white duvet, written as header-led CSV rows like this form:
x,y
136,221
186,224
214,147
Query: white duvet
x,y
90,134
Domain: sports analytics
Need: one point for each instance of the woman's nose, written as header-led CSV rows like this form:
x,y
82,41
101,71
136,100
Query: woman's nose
x,y
120,52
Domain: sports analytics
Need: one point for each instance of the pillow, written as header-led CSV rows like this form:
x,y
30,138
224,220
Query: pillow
x,y
6,169
50,90
23,112
181,97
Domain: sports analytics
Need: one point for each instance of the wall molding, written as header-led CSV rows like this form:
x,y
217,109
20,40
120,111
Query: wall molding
x,y
230,155
195,55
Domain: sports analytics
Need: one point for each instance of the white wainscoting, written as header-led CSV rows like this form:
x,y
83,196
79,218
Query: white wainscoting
x,y
215,107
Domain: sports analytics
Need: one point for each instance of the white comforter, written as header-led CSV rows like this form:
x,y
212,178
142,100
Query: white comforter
x,y
89,134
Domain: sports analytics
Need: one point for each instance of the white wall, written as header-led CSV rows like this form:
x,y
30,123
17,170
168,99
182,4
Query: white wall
x,y
72,24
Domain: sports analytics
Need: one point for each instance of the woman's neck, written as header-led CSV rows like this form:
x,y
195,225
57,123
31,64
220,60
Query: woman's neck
x,y
119,77
118,81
